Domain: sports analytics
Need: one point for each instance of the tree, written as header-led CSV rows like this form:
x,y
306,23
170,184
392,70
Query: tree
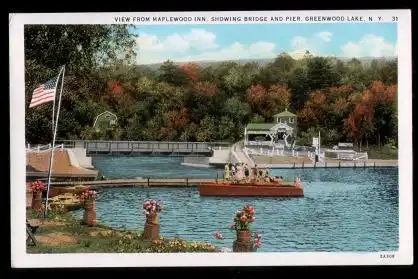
x,y
191,71
170,73
84,50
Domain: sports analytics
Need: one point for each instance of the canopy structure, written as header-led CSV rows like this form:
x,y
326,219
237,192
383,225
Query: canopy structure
x,y
272,130
104,121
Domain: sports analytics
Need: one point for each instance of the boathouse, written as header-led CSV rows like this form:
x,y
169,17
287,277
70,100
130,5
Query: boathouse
x,y
283,126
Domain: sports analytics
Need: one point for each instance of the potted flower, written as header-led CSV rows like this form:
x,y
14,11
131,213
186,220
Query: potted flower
x,y
151,208
87,198
242,221
36,187
241,224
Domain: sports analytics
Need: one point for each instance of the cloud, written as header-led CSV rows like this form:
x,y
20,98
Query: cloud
x,y
196,45
369,45
313,44
324,35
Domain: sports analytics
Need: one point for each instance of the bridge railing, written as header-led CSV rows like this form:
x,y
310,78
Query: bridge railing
x,y
107,145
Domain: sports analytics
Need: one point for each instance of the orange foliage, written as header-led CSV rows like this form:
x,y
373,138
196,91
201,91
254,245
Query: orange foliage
x,y
279,94
256,94
206,88
190,69
306,114
114,86
178,119
317,98
340,104
341,91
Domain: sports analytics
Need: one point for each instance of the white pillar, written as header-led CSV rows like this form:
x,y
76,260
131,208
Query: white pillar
x,y
245,136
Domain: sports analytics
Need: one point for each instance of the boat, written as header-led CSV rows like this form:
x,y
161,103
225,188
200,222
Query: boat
x,y
255,189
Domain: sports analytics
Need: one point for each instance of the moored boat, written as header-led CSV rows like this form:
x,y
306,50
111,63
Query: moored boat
x,y
262,189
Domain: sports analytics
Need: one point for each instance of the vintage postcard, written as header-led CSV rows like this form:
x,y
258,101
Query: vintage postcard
x,y
211,138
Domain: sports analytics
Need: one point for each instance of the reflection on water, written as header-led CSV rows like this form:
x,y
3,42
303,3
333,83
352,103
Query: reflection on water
x,y
343,209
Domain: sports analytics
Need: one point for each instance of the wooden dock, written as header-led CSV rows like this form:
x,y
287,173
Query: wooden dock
x,y
145,182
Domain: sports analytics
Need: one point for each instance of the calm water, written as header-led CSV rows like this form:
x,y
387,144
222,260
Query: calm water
x,y
343,209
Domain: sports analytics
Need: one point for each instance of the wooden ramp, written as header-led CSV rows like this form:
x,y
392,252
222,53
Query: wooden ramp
x,y
37,164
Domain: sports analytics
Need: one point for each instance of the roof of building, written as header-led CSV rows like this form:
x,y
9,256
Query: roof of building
x,y
285,113
266,126
260,126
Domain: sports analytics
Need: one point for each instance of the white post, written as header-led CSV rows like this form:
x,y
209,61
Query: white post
x,y
38,148
51,159
319,143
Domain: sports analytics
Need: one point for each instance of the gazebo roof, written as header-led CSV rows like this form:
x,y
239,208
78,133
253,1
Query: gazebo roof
x,y
285,113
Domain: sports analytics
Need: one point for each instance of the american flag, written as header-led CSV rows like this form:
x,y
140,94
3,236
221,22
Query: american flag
x,y
44,93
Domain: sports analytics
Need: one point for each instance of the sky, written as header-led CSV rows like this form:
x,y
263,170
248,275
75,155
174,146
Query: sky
x,y
194,42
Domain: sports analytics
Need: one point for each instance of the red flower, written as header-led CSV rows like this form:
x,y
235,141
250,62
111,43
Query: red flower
x,y
243,218
218,235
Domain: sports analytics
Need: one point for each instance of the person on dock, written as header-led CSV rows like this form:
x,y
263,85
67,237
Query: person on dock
x,y
226,172
240,172
233,171
246,172
255,173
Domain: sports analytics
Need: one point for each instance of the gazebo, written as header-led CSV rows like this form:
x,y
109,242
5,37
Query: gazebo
x,y
284,125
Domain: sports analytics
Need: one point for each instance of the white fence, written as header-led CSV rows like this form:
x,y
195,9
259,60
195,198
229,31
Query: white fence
x,y
349,155
43,148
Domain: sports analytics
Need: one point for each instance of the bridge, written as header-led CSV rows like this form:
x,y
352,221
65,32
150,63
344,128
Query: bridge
x,y
102,147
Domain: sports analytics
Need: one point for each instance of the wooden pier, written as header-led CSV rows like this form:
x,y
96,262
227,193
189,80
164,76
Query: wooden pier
x,y
144,182
99,147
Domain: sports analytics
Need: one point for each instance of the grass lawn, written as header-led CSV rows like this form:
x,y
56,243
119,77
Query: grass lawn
x,y
61,233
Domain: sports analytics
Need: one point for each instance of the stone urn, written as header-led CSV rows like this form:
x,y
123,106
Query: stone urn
x,y
243,242
36,200
89,217
151,227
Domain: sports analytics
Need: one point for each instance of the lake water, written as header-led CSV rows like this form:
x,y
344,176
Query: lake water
x,y
342,210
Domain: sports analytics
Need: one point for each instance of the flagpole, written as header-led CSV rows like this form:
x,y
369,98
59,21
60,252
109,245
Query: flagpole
x,y
53,105
51,158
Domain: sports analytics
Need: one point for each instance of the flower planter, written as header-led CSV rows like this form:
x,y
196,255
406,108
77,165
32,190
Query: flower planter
x,y
152,219
243,242
243,235
151,228
89,213
36,200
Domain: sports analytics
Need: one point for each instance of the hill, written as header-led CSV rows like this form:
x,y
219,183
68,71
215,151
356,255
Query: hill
x,y
261,62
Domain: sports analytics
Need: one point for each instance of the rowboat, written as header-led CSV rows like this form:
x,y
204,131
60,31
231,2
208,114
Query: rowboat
x,y
255,189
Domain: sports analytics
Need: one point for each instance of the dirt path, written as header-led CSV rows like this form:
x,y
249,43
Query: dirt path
x,y
55,239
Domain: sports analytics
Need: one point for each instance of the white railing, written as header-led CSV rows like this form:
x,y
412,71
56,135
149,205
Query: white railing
x,y
43,148
361,156
252,163
350,155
